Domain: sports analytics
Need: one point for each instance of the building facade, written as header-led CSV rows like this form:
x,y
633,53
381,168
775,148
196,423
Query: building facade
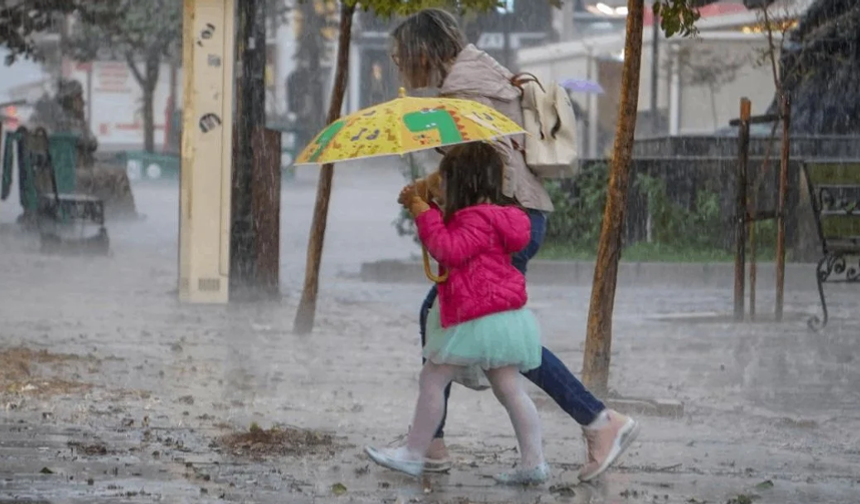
x,y
699,81
373,77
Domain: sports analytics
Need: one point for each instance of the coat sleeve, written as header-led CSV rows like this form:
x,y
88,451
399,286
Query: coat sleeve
x,y
517,234
450,246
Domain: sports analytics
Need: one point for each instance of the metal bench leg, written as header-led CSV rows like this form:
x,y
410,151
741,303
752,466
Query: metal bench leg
x,y
822,272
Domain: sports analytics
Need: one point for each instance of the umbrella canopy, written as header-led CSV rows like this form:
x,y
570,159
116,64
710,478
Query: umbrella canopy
x,y
404,125
582,86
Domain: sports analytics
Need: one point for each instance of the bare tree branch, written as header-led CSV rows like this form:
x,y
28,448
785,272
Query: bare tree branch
x,y
138,75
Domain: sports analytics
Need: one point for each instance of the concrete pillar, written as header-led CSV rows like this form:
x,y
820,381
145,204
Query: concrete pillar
x,y
207,150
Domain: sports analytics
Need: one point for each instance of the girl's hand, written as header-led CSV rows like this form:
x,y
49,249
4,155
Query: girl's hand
x,y
418,206
406,195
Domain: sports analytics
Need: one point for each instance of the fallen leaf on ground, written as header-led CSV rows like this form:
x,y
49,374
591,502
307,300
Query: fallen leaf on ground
x,y
338,489
563,490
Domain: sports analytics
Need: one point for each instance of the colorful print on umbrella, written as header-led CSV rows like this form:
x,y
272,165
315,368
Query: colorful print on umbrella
x,y
407,125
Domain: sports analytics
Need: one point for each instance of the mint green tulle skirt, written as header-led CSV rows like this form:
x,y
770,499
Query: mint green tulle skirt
x,y
510,338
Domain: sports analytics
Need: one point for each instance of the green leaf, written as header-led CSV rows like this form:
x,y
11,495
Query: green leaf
x,y
338,489
764,485
676,16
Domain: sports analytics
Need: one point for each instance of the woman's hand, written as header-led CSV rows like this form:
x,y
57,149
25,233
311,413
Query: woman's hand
x,y
434,186
429,188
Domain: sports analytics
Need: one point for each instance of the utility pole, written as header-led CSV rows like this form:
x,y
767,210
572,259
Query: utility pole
x,y
207,150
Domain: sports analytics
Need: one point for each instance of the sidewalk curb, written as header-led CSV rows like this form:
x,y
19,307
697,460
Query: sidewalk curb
x,y
632,406
798,276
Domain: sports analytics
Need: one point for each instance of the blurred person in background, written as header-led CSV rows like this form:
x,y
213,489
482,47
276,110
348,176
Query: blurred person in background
x,y
65,113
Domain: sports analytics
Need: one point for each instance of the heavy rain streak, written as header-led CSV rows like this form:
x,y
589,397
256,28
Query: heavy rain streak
x,y
429,251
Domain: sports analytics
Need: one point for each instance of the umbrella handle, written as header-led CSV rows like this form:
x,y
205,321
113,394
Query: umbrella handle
x,y
427,271
424,193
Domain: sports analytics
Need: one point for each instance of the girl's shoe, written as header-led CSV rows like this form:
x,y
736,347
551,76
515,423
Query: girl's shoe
x,y
396,460
534,476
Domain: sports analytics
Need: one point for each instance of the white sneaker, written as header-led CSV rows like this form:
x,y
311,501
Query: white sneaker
x,y
396,460
437,459
534,476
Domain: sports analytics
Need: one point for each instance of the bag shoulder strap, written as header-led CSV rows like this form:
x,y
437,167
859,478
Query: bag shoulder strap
x,y
523,78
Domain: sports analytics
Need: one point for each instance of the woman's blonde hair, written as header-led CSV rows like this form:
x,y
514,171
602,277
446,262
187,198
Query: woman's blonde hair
x,y
423,46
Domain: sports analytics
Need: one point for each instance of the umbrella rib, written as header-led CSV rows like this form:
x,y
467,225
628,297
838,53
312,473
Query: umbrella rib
x,y
405,152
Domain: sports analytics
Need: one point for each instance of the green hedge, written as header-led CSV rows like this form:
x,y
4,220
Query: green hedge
x,y
677,233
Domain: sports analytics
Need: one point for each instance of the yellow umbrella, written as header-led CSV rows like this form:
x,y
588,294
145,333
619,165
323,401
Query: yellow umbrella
x,y
405,125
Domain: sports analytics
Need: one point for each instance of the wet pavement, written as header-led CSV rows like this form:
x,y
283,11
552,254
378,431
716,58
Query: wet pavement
x,y
126,394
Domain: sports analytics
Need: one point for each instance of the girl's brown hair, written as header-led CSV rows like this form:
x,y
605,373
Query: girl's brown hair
x,y
473,173
424,45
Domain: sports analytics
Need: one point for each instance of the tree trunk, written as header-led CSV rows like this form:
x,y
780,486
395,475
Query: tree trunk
x,y
304,322
250,123
598,343
148,120
169,133
150,82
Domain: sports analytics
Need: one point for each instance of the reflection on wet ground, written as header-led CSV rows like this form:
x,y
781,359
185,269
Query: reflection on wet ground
x,y
111,391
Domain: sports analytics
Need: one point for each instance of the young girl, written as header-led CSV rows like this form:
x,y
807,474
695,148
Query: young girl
x,y
480,319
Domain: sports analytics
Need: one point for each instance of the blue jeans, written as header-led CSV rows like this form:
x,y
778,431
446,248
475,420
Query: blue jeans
x,y
552,376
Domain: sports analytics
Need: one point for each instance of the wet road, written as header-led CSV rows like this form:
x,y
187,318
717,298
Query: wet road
x,y
142,389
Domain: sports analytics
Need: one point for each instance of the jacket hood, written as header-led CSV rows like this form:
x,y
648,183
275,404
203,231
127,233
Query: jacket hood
x,y
511,223
475,72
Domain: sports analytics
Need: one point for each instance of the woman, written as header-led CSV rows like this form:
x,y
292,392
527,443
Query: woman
x,y
431,51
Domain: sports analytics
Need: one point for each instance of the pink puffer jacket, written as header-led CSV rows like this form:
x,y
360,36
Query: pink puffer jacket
x,y
475,247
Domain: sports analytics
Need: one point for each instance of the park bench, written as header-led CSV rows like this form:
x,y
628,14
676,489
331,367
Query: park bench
x,y
834,190
62,217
